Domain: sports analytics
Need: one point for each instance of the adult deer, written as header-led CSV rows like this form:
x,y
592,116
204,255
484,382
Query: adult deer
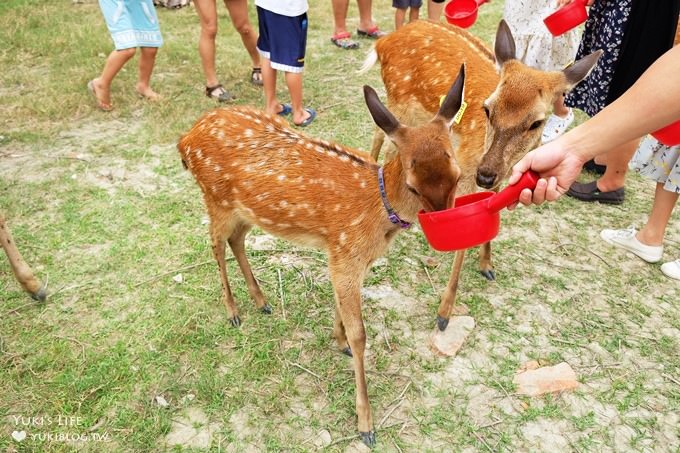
x,y
507,104
22,271
254,170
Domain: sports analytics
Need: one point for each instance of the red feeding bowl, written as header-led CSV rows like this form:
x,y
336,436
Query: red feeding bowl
x,y
462,13
567,17
474,219
669,135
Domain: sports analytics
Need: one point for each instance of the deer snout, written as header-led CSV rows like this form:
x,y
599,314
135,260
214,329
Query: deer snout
x,y
486,178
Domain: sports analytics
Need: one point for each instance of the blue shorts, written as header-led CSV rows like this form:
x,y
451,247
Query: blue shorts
x,y
132,23
403,4
282,40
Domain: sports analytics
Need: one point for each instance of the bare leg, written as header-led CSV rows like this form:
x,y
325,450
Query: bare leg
x,y
559,108
340,8
434,11
413,15
365,17
114,63
654,230
146,63
294,82
237,244
271,102
207,13
617,166
238,12
22,271
399,15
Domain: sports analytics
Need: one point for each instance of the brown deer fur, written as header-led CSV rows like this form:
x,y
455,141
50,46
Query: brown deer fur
x,y
22,271
505,113
254,170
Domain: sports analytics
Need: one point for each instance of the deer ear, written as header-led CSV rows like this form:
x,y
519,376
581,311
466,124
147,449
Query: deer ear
x,y
453,99
504,47
581,68
382,117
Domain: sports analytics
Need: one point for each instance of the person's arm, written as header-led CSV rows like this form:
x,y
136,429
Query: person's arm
x,y
650,104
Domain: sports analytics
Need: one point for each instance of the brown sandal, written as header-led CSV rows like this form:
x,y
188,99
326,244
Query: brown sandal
x,y
218,92
256,77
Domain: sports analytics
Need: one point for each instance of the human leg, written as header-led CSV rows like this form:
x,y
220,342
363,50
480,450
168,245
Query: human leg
x,y
238,12
434,10
414,14
341,37
399,15
207,14
367,27
146,64
101,86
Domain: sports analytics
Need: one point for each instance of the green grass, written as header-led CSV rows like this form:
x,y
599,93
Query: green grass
x,y
101,208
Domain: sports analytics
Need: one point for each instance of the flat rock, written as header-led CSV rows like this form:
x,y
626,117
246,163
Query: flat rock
x,y
448,342
550,379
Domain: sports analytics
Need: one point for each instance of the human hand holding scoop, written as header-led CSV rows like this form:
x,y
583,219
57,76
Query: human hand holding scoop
x,y
474,218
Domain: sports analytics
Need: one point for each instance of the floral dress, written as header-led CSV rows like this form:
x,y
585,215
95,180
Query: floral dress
x,y
605,29
535,46
658,162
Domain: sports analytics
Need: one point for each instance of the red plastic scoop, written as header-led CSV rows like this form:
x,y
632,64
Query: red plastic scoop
x,y
474,219
567,17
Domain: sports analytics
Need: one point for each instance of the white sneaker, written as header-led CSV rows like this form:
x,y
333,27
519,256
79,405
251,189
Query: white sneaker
x,y
671,269
556,126
626,240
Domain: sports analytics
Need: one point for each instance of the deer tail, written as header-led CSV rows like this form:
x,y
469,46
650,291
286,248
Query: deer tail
x,y
371,60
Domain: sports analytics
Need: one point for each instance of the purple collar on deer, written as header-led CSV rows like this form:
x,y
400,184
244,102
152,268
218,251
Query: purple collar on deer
x,y
393,216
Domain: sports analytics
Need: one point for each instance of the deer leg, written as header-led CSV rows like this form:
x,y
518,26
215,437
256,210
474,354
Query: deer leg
x,y
348,296
376,144
237,244
485,265
219,230
339,332
449,296
22,271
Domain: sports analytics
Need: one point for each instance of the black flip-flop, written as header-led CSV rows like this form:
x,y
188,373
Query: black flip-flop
x,y
308,121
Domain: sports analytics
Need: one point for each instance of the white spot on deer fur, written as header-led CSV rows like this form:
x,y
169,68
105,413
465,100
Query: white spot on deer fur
x,y
224,203
199,153
319,149
362,184
323,230
247,168
248,133
217,168
284,225
332,154
355,175
266,221
407,78
337,208
269,172
283,204
343,237
344,158
357,221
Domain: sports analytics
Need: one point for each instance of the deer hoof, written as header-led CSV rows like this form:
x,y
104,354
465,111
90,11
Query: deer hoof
x,y
368,438
40,295
347,351
235,321
442,323
266,309
489,275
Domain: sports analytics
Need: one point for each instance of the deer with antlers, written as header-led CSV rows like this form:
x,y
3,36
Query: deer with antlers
x,y
254,170
21,270
506,105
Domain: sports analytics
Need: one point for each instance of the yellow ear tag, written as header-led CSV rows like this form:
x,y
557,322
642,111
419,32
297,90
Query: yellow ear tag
x,y
459,114
441,100
571,63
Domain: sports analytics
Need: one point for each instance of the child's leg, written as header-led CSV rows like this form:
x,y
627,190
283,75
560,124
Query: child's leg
x,y
146,63
559,108
655,228
413,14
115,61
271,103
399,14
294,83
